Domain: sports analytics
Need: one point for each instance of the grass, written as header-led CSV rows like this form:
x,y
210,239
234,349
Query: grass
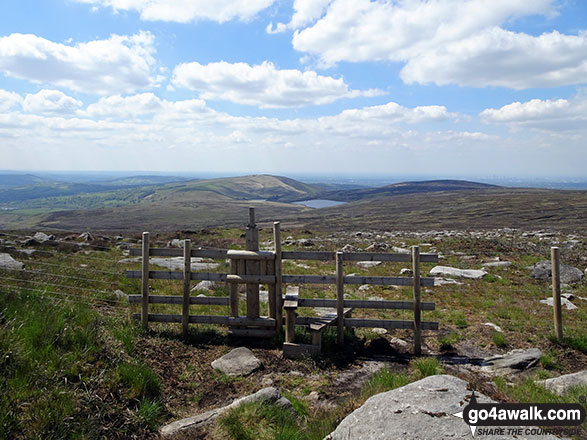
x,y
499,340
426,366
139,380
384,380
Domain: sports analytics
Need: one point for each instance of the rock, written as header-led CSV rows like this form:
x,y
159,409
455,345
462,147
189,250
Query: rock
x,y
468,257
193,427
495,327
204,285
264,296
368,264
497,264
422,410
349,248
560,385
459,273
86,236
177,263
379,331
564,302
7,262
30,242
305,242
377,247
568,274
120,294
514,361
444,281
364,287
400,345
406,271
399,250
238,362
41,237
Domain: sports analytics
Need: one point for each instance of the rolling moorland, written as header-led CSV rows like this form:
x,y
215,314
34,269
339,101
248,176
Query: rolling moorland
x,y
135,204
74,365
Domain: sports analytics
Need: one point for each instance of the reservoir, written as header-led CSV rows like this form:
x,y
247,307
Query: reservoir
x,y
319,203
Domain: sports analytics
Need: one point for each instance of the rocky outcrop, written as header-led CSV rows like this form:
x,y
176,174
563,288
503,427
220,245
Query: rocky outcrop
x,y
568,274
560,385
7,262
458,273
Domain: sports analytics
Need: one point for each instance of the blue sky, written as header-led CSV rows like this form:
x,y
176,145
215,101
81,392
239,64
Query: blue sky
x,y
454,88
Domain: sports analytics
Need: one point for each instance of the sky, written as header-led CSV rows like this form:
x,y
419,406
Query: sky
x,y
451,88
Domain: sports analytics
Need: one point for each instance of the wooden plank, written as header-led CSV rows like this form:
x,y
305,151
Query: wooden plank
x,y
339,299
278,274
257,279
388,324
173,299
187,269
556,292
356,256
251,333
291,300
250,255
177,252
193,319
271,298
233,288
329,319
364,304
252,322
144,275
417,311
290,323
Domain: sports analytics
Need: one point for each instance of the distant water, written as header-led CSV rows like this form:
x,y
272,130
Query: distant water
x,y
319,203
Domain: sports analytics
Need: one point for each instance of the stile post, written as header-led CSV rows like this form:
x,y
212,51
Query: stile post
x,y
556,292
417,311
278,274
187,276
272,298
145,280
252,266
233,289
339,299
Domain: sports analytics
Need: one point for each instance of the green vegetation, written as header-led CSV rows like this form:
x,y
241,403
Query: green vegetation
x,y
499,340
426,366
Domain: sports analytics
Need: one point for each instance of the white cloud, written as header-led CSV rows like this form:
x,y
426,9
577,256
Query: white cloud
x,y
544,115
120,64
125,107
305,12
51,101
9,100
184,11
263,85
447,42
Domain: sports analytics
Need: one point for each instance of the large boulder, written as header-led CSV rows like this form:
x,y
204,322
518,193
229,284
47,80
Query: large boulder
x,y
568,274
238,362
7,262
560,385
458,273
422,410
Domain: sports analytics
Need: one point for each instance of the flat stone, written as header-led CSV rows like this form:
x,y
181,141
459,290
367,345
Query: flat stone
x,y
406,271
459,273
238,362
399,250
204,285
568,274
7,262
497,264
495,327
560,385
422,410
444,281
514,361
177,263
194,427
564,302
368,264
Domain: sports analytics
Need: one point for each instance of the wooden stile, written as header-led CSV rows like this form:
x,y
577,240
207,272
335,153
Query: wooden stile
x,y
187,277
417,311
145,280
339,299
278,274
233,287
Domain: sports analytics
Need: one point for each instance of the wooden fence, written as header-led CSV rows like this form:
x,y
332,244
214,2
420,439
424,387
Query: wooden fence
x,y
253,267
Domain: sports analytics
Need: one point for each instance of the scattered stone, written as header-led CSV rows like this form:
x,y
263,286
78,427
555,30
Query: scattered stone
x,y
469,258
422,410
497,264
399,250
564,302
560,385
41,237
305,242
406,271
459,273
495,327
238,362
86,236
400,345
368,264
193,427
445,281
177,263
377,247
364,287
349,248
568,274
514,361
30,242
176,242
379,331
7,262
120,294
266,381
204,285
264,296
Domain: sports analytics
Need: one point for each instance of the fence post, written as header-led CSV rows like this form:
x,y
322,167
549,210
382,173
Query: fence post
x,y
417,312
187,276
278,273
556,292
233,289
252,266
339,299
145,279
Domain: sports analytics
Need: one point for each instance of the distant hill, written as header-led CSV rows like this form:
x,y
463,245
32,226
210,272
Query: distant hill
x,y
405,188
141,180
14,180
